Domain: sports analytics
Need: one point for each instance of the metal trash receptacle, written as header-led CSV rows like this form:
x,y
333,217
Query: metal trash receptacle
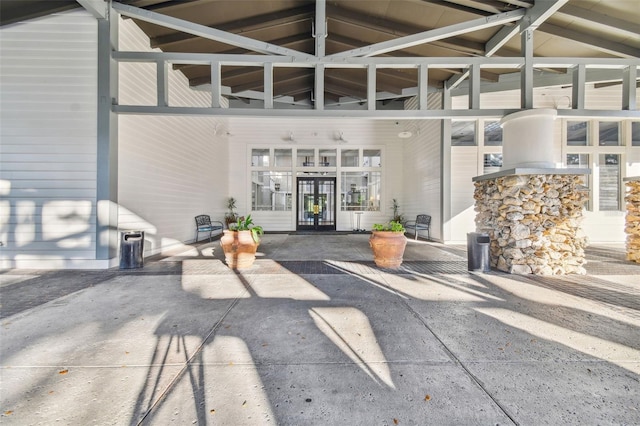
x,y
131,249
478,252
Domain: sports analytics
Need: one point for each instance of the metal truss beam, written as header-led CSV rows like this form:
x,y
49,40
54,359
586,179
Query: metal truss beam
x,y
540,12
433,35
98,8
245,26
327,81
206,32
383,26
404,62
438,114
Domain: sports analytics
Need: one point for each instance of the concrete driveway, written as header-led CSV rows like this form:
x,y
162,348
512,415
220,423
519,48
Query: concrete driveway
x,y
315,334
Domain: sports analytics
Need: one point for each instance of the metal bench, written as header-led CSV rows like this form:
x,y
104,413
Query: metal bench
x,y
422,223
204,224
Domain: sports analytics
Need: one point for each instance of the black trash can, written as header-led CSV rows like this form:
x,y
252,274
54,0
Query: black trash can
x,y
478,252
131,249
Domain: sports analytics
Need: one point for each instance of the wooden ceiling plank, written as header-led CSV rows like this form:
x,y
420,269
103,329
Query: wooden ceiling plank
x,y
339,89
484,5
456,6
258,84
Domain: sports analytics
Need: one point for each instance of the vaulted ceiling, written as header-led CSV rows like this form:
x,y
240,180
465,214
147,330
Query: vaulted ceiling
x,y
579,28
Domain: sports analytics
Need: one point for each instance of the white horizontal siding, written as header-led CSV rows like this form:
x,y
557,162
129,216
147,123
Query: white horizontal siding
x,y
170,168
315,133
464,160
48,80
422,168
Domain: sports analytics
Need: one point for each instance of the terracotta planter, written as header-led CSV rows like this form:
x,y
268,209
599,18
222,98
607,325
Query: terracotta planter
x,y
239,248
388,248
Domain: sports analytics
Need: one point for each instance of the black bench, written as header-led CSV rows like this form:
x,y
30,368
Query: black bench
x,y
422,223
204,224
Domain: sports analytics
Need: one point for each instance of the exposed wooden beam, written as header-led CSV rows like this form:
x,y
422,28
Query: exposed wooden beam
x,y
245,26
337,87
279,80
206,32
285,41
599,19
532,18
540,12
381,62
384,26
416,114
433,35
598,43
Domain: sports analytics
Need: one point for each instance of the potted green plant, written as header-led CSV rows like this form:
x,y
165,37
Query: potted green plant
x,y
397,217
388,242
230,216
240,243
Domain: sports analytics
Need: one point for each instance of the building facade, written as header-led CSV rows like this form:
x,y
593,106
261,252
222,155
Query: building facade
x,y
166,169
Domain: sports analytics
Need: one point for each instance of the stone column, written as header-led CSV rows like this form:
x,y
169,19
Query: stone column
x,y
532,210
533,219
632,226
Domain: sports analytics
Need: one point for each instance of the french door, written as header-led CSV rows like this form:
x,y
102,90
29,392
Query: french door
x,y
316,210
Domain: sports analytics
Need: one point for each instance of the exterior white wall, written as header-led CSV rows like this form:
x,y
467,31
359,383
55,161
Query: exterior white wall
x,y
465,166
48,81
318,133
422,169
170,169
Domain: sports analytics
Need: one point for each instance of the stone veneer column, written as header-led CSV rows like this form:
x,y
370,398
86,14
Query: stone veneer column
x,y
632,227
533,219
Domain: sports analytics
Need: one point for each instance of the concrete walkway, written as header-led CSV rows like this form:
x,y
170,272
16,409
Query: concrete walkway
x,y
314,333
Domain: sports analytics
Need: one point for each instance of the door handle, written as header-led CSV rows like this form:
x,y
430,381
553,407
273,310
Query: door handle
x,y
316,209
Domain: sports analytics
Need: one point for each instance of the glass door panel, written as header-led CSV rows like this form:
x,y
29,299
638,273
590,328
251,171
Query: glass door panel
x,y
316,204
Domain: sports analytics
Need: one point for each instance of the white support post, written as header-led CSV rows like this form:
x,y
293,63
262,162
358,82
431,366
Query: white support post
x,y
371,87
474,87
319,88
162,83
107,141
629,76
526,73
445,170
423,86
268,85
578,88
320,27
216,84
